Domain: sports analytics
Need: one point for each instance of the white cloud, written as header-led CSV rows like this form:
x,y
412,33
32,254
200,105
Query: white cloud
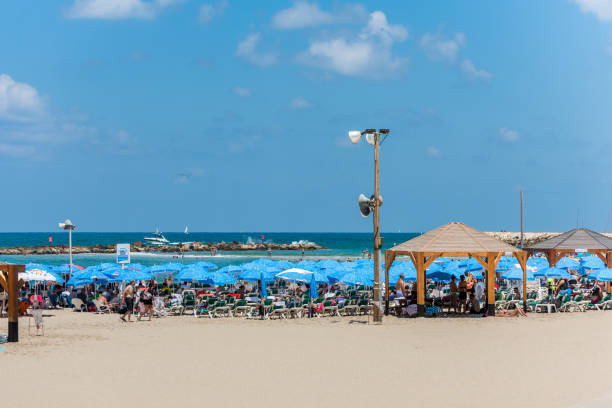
x,y
242,91
304,14
19,101
300,103
247,49
433,152
441,48
601,8
117,9
469,69
301,14
210,11
509,135
369,54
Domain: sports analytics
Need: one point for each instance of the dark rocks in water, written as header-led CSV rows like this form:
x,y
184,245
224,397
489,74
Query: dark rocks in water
x,y
140,247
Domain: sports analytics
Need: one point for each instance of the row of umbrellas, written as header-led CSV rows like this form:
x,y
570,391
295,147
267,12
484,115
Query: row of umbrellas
x,y
358,272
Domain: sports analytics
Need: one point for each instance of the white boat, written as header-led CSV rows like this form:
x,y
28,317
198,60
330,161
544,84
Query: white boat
x,y
186,230
156,239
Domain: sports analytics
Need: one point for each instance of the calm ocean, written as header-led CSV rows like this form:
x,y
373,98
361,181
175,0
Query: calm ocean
x,y
340,245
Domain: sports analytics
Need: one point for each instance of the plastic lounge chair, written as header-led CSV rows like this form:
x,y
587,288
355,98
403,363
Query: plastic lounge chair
x,y
100,308
189,302
364,306
349,308
78,305
222,309
175,305
278,311
203,309
603,304
241,308
159,309
330,308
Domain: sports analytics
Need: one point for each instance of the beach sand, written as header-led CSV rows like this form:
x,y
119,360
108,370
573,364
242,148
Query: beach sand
x,y
85,360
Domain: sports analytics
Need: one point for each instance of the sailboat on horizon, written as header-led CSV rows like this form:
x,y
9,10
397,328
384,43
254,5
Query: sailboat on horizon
x,y
186,230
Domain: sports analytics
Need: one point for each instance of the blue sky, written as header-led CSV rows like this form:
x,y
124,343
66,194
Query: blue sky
x,y
232,116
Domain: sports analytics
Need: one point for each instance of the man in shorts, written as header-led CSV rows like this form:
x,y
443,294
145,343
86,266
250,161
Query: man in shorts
x,y
462,288
127,298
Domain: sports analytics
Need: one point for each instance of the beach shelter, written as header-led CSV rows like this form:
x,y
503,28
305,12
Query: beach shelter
x,y
575,241
454,240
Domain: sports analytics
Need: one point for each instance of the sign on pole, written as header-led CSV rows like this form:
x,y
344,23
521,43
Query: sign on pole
x,y
123,253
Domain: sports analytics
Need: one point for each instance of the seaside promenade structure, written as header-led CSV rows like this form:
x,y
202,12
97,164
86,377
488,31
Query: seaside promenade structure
x,y
454,239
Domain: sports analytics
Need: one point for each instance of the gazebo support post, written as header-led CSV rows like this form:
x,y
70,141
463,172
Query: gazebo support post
x,y
10,283
609,266
491,284
420,267
522,258
389,258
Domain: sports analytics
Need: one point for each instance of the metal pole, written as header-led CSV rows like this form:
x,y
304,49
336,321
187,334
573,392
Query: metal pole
x,y
377,243
70,249
521,219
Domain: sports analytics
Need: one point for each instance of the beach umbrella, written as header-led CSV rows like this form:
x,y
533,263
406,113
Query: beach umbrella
x,y
328,264
314,293
538,262
231,269
204,264
604,275
516,274
65,269
590,263
264,291
307,265
506,263
555,273
282,265
439,276
568,263
254,273
357,276
38,275
217,278
471,265
304,276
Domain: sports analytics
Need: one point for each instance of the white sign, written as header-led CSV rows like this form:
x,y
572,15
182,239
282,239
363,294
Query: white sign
x,y
581,251
123,253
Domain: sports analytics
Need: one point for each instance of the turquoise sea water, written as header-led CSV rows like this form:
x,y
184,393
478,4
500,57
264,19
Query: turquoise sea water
x,y
340,246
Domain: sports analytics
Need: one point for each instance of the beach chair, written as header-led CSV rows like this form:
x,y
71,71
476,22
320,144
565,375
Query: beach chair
x,y
241,308
364,307
222,309
603,304
349,307
295,309
100,308
78,305
329,308
175,304
567,304
203,309
159,309
278,311
189,301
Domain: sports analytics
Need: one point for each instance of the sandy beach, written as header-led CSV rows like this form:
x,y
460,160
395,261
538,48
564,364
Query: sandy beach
x,y
86,359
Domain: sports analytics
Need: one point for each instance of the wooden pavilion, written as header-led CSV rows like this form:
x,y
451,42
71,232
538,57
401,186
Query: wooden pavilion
x,y
576,240
455,240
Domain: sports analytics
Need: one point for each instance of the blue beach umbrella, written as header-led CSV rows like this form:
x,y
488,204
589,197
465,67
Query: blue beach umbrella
x,y
204,264
264,291
538,262
217,278
516,274
555,273
301,275
568,263
358,276
604,275
314,293
307,265
231,269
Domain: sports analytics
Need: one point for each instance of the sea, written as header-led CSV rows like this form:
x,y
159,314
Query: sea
x,y
339,246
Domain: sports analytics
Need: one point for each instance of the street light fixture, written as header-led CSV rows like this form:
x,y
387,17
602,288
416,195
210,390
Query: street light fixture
x,y
68,225
373,204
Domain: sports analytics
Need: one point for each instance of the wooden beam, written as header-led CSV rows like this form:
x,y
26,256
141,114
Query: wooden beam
x,y
389,258
3,282
420,269
490,273
481,260
431,259
522,258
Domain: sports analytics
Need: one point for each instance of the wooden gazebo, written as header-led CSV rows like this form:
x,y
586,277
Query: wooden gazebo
x,y
576,240
455,240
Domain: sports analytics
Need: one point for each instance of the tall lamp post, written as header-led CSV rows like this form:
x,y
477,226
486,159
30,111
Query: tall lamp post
x,y
373,138
68,225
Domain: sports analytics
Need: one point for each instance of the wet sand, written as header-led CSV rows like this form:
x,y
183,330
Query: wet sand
x,y
85,360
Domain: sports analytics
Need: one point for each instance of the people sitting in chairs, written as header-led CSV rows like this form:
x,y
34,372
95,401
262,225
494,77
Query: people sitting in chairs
x,y
596,293
474,305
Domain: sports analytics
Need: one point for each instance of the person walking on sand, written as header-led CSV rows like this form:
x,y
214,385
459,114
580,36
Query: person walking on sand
x,y
400,287
147,301
127,298
453,295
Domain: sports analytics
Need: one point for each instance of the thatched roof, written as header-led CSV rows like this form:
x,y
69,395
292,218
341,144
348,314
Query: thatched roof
x,y
579,238
454,237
